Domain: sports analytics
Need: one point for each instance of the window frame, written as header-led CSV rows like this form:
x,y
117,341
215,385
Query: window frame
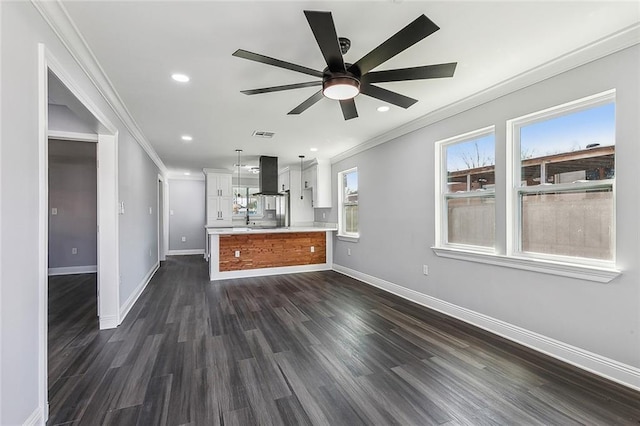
x,y
505,204
342,233
260,211
515,190
443,196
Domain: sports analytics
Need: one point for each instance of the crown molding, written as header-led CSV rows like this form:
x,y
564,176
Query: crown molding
x,y
56,16
181,176
625,38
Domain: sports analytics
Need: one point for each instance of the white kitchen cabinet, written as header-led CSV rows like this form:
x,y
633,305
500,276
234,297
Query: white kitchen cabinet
x,y
317,181
219,184
219,198
284,180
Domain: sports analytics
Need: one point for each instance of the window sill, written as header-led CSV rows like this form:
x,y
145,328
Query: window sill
x,y
349,238
602,275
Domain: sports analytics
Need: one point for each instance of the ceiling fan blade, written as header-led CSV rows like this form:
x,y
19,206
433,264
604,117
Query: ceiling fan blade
x,y
306,104
324,30
280,88
387,95
275,62
349,110
403,39
416,73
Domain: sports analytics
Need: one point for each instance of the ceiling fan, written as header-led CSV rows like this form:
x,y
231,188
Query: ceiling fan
x,y
344,81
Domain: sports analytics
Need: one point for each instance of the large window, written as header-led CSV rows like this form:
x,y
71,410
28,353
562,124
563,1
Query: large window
x,y
348,200
555,212
562,190
466,188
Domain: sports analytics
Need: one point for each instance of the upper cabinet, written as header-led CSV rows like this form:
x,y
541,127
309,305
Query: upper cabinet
x,y
284,180
219,198
317,179
219,184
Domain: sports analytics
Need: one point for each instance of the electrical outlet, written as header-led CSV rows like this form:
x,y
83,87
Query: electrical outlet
x,y
74,251
425,269
184,239
324,215
54,211
348,252
150,210
149,252
170,212
313,249
237,253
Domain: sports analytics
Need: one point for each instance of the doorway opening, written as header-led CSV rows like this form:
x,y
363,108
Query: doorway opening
x,y
161,208
72,304
76,127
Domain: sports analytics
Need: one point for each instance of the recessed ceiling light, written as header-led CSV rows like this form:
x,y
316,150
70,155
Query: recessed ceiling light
x,y
182,78
187,173
313,149
186,138
383,108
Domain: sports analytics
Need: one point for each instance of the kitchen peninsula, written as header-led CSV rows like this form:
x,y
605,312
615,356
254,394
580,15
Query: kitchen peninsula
x,y
250,252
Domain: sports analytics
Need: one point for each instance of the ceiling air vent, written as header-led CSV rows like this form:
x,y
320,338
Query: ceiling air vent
x,y
262,134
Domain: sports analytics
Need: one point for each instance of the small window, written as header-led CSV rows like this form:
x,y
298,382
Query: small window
x,y
348,201
563,168
466,190
244,201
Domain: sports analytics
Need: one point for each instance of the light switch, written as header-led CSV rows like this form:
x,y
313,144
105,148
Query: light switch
x,y
54,211
171,212
74,251
184,239
313,249
150,210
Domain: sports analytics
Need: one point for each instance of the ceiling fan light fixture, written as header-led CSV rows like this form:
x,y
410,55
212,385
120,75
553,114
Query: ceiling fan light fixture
x,y
340,87
180,78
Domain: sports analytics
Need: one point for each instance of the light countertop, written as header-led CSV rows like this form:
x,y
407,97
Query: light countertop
x,y
247,230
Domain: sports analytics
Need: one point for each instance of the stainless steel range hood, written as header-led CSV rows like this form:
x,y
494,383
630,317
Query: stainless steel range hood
x,y
268,178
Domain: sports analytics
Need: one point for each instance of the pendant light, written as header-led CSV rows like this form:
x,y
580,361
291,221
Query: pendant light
x,y
301,185
237,192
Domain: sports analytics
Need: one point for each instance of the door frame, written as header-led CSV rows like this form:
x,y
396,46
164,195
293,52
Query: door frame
x,y
163,223
107,232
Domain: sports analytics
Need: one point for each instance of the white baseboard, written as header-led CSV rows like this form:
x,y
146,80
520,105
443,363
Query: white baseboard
x,y
184,252
108,321
128,304
262,272
608,368
70,270
36,418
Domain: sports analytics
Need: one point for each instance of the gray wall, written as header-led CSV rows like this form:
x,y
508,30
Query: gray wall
x,y
73,192
138,226
21,29
396,239
187,202
63,119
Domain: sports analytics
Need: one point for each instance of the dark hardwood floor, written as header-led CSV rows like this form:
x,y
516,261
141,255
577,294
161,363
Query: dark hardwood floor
x,y
305,349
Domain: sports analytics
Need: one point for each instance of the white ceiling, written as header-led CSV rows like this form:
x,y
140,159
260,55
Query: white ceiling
x,y
139,44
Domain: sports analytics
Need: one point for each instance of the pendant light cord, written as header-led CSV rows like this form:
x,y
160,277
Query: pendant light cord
x,y
301,178
237,192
